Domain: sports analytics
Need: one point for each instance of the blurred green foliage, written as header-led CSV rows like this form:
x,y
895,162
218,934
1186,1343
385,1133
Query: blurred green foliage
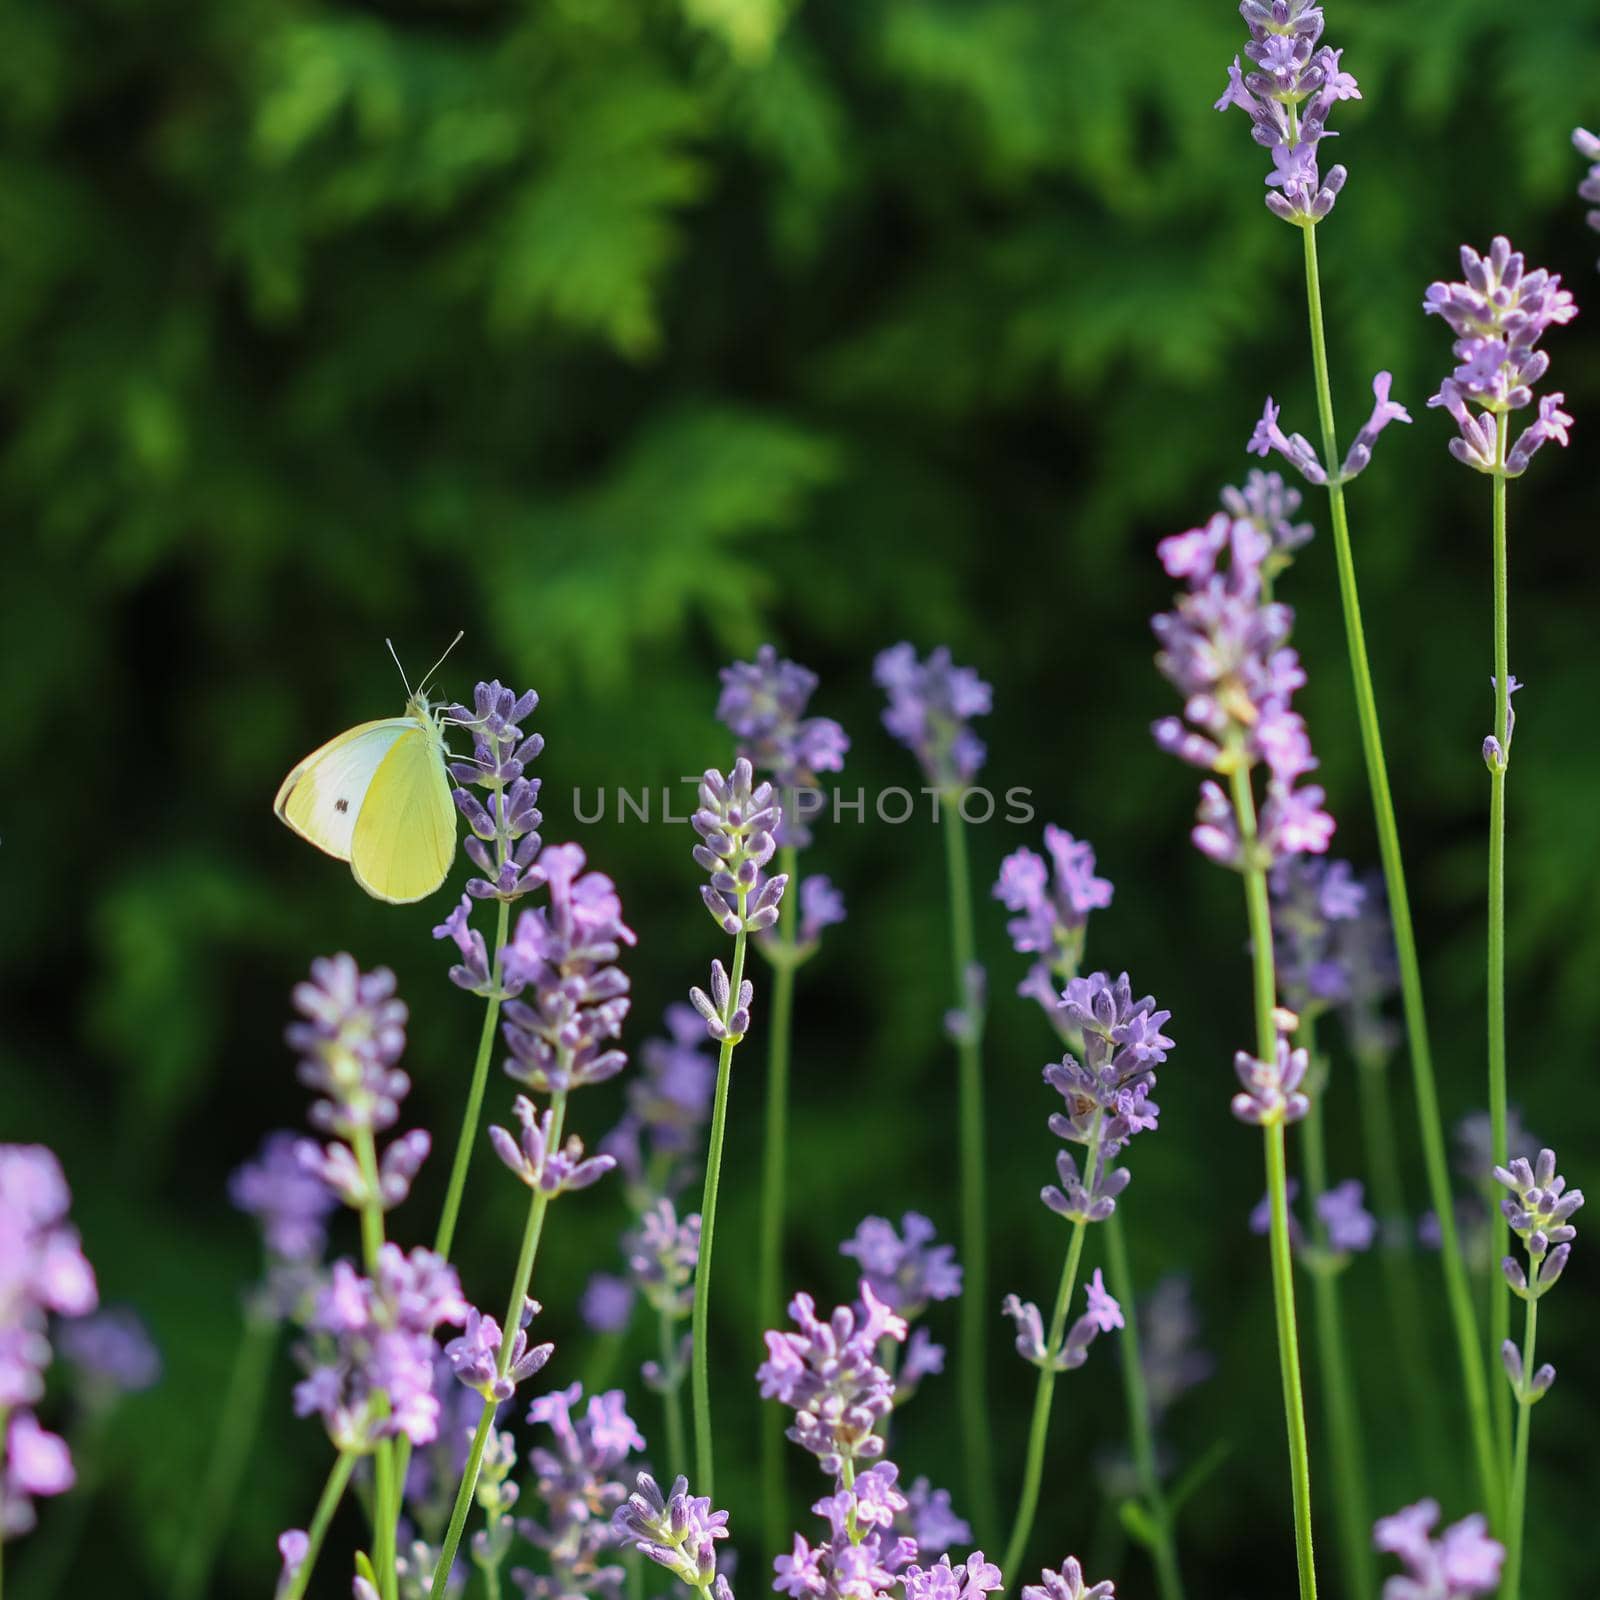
x,y
628,333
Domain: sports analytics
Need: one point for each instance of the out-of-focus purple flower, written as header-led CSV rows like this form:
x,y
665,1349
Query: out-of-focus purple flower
x,y
929,1521
607,1303
1103,1310
821,906
763,703
293,1546
737,821
574,997
1107,1094
475,1357
906,1269
36,1464
43,1270
1350,1226
1271,1088
351,1033
290,1204
1310,895
1474,1144
1169,1352
1068,1584
373,1337
968,1580
1362,946
1224,649
931,705
1589,148
1288,91
1267,438
964,1023
538,1161
859,1559
662,1252
676,1530
669,1102
1498,313
1052,903
828,1374
1269,505
112,1351
578,1483
1523,1387
1463,1562
336,1166
1101,1315
504,841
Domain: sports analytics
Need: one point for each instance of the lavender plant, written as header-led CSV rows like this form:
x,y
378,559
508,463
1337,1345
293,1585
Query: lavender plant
x,y
1294,84
763,703
1463,1562
737,822
1498,314
930,711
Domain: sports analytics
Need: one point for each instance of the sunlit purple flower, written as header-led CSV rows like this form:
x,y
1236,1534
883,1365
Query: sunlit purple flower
x,y
1052,902
1461,1563
931,705
503,842
1101,1315
828,1374
906,1269
1498,313
1068,1584
538,1161
676,1530
1272,1090
352,1032
929,1521
859,1559
969,1580
1269,505
737,819
475,1357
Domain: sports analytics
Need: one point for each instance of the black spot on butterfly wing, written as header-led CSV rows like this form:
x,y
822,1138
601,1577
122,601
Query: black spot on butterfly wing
x,y
341,805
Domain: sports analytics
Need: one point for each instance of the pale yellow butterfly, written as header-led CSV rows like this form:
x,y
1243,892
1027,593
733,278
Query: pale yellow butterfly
x,y
378,797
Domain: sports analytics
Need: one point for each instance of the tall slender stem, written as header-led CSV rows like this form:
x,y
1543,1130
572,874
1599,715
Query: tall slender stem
x,y
774,1181
975,1310
1430,1124
467,1140
1259,910
1039,1431
700,1353
672,1392
532,1232
1518,1499
238,1421
1338,1393
386,1492
1141,1434
1499,1302
332,1493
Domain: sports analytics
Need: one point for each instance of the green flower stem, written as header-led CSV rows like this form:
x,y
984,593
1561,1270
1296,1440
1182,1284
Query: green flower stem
x,y
1140,1433
672,1392
1266,995
1430,1125
1347,1449
1410,1341
701,1352
332,1493
774,1182
468,1138
238,1422
1499,1303
1517,1514
386,1496
531,1235
975,1310
1038,1433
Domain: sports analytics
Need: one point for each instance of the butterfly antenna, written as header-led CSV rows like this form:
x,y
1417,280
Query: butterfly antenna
x,y
441,661
398,668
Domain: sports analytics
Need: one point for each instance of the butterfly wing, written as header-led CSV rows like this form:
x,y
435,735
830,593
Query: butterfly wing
x,y
323,797
405,835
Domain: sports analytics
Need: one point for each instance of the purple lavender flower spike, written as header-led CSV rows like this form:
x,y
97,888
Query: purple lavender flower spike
x,y
737,820
1288,93
858,1558
539,1164
763,703
1384,411
969,1580
676,1530
1271,1088
906,1269
474,1357
1498,313
573,996
1539,1210
503,842
931,706
662,1252
828,1374
1311,895
1461,1564
290,1204
1068,1584
113,1353
1268,504
351,1036
1052,903
1295,448
1588,147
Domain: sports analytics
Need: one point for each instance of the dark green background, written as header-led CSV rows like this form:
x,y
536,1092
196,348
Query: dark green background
x,y
626,339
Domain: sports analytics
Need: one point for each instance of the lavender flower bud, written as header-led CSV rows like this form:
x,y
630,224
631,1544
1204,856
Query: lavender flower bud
x,y
736,821
1271,1088
725,1020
